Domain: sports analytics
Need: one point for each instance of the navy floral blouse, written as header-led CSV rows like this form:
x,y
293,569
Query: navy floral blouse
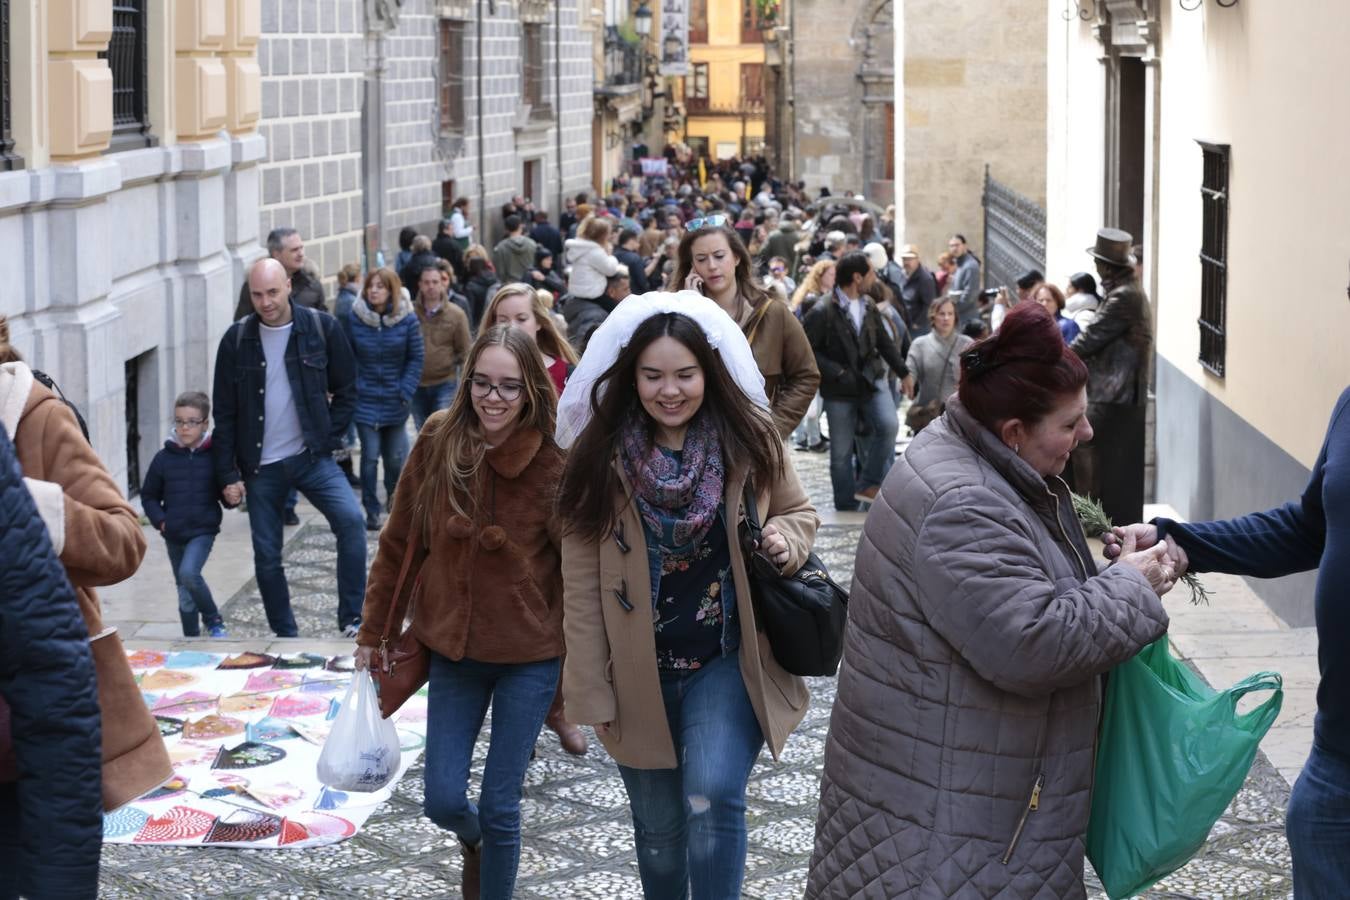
x,y
693,600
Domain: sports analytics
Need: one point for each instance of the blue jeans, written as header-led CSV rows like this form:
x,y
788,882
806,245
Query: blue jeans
x,y
876,450
457,700
323,484
429,399
387,442
1318,827
194,596
689,822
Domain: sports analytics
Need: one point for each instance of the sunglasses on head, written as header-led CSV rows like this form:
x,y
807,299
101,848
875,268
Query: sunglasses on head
x,y
716,221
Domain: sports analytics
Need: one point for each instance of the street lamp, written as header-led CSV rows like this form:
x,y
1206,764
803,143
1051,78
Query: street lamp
x,y
642,20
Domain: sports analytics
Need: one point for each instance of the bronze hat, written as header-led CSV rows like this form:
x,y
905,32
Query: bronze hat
x,y
1114,246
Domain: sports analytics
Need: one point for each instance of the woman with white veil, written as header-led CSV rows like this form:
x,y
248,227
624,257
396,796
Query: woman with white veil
x,y
669,428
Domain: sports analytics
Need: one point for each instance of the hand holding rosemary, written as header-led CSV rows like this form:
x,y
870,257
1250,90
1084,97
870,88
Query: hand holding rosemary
x,y
1095,522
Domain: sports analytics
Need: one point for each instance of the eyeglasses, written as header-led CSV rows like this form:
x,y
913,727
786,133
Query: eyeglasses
x,y
716,221
778,270
189,423
482,388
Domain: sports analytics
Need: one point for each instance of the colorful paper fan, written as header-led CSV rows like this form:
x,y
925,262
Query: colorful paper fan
x,y
181,823
247,660
243,827
330,799
213,728
245,703
164,679
299,661
292,832
146,659
267,730
171,788
125,821
169,726
248,755
192,659
293,706
187,753
277,796
270,681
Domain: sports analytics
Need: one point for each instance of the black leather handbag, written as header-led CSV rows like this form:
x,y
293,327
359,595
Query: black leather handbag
x,y
803,614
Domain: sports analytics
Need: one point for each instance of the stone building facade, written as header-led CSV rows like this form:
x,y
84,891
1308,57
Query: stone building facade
x,y
379,114
129,201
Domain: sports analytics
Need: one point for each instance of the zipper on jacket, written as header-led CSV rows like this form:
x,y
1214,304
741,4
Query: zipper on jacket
x,y
1064,534
1032,805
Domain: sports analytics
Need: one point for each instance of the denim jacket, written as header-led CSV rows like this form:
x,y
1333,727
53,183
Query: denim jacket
x,y
319,364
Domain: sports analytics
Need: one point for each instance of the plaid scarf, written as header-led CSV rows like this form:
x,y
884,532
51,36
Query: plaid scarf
x,y
678,499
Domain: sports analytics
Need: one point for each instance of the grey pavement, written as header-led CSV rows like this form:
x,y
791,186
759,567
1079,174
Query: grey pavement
x,y
577,838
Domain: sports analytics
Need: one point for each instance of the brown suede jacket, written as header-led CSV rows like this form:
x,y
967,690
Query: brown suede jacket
x,y
490,588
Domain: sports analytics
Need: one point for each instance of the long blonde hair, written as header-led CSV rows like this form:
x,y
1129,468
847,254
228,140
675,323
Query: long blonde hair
x,y
548,339
455,445
811,283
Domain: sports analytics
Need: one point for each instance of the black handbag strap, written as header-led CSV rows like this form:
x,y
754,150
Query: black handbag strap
x,y
752,513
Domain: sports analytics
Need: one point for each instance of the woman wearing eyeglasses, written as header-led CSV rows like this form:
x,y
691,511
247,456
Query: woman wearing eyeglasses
x,y
713,261
476,507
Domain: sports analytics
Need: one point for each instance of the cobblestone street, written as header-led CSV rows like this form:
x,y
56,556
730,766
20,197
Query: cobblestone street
x,y
577,835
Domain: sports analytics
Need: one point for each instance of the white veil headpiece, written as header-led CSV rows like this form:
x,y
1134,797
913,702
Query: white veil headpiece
x,y
609,339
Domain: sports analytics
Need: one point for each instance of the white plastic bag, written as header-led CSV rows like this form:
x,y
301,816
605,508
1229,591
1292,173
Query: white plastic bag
x,y
362,752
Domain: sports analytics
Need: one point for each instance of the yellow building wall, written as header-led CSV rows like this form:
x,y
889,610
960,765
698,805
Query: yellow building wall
x,y
724,53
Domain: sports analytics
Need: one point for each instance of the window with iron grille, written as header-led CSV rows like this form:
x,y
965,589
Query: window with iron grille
x,y
532,59
696,88
1214,257
8,158
127,60
451,45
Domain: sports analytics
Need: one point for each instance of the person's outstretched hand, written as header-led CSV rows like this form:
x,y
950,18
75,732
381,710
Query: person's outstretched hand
x,y
1153,563
1145,536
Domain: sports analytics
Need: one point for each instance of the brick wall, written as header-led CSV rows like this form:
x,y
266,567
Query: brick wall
x,y
312,57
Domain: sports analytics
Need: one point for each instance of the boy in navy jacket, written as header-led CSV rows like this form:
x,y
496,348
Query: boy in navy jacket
x,y
181,500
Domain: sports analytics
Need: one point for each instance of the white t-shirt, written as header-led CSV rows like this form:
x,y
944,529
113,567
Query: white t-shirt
x,y
282,434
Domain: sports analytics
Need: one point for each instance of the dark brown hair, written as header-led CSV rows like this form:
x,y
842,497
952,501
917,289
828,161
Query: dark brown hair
x,y
746,284
745,431
1022,371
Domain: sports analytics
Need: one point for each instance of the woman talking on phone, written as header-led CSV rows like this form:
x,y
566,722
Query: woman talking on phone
x,y
713,261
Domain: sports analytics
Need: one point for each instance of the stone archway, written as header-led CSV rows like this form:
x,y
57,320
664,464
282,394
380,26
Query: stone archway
x,y
874,34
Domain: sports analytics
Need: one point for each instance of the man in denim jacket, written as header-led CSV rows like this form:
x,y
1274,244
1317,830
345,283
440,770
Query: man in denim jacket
x,y
285,391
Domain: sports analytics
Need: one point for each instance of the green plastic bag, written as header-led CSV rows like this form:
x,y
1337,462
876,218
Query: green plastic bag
x,y
1173,755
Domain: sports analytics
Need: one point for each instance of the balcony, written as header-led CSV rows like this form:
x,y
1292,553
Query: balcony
x,y
623,65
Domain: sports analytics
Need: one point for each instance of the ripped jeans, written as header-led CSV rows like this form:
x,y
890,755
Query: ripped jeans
x,y
689,822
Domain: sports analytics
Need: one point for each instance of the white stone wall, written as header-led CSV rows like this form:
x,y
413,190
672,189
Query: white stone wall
x,y
130,255
313,57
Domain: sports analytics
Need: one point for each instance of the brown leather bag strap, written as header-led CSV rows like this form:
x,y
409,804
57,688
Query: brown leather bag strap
x,y
395,617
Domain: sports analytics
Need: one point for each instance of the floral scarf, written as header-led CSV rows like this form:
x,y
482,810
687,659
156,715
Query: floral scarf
x,y
678,499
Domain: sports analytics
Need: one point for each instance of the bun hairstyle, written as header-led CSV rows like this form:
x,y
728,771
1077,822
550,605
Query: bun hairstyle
x,y
1022,372
7,352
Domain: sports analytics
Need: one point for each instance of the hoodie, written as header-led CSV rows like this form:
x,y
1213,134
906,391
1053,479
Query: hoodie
x,y
513,257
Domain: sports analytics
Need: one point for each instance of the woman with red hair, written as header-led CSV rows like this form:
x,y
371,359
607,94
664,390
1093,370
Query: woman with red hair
x,y
961,745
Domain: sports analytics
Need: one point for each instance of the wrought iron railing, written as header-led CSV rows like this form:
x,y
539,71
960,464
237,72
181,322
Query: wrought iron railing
x,y
1014,234
623,60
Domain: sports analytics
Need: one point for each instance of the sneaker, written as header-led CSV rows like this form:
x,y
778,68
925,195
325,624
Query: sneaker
x,y
290,518
373,522
218,631
867,495
820,446
352,629
798,445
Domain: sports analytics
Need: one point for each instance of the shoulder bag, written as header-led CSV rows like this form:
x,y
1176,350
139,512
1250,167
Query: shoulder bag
x,y
401,663
802,614
920,415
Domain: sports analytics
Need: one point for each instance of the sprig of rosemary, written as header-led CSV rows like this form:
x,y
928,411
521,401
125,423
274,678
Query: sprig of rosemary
x,y
1095,522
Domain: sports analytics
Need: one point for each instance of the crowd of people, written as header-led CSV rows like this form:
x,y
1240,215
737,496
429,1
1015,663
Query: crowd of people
x,y
594,399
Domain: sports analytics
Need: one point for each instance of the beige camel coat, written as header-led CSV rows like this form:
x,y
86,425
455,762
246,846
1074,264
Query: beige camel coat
x,y
610,672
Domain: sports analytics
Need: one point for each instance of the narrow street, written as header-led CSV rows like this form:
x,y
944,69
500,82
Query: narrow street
x,y
577,836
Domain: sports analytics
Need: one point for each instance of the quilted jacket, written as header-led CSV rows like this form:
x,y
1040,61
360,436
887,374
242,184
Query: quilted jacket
x,y
968,697
389,352
49,844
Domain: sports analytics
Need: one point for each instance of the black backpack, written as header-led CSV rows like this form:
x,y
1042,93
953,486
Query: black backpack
x,y
46,381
